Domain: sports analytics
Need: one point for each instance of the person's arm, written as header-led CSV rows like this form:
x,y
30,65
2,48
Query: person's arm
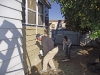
x,y
63,45
70,43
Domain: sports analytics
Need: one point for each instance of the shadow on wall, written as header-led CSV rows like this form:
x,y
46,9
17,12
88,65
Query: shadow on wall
x,y
10,49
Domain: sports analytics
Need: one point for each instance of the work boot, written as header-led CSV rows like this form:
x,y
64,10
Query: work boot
x,y
54,70
43,71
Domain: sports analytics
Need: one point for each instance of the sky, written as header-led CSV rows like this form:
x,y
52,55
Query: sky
x,y
54,12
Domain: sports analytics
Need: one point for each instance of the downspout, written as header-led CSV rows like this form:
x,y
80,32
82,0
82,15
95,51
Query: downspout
x,y
36,15
44,15
26,12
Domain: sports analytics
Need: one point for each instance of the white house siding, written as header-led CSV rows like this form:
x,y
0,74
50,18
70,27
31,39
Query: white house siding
x,y
11,51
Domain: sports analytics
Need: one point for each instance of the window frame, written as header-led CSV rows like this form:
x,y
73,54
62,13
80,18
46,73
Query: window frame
x,y
34,11
42,14
26,12
28,9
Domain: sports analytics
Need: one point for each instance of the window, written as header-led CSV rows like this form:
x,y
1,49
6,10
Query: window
x,y
46,16
23,11
23,15
32,4
40,8
46,11
31,17
46,21
23,2
40,19
30,7
40,15
31,11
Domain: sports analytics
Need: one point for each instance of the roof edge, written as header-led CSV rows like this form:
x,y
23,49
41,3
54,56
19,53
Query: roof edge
x,y
46,2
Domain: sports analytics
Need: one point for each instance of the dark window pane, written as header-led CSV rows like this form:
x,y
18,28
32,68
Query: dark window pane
x,y
40,19
23,14
46,21
32,4
40,8
23,11
31,17
23,2
46,11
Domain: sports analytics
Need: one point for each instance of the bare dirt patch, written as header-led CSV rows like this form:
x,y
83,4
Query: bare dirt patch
x,y
77,65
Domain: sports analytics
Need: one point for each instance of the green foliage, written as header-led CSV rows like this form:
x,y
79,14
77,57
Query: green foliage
x,y
82,14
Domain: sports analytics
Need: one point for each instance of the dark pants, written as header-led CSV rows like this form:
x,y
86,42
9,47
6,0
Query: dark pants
x,y
68,51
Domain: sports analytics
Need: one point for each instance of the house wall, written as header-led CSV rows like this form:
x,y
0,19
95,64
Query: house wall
x,y
31,45
11,51
33,23
31,49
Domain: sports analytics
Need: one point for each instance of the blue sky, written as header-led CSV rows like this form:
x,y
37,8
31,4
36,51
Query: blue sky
x,y
54,12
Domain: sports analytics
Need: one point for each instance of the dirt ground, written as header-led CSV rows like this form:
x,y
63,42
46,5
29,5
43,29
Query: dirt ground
x,y
80,56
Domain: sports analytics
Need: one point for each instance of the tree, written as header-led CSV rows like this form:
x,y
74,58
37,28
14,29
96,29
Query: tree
x,y
82,15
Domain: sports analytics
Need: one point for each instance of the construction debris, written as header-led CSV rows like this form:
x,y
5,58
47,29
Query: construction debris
x,y
82,52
